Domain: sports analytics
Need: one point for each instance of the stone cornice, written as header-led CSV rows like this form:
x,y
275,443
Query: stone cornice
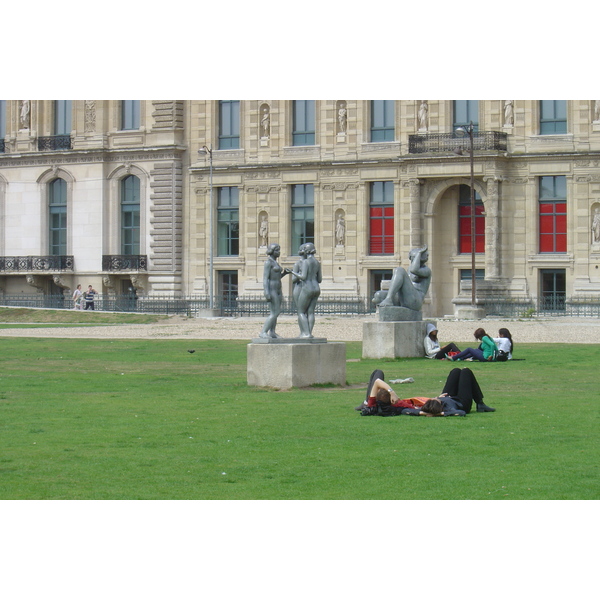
x,y
28,159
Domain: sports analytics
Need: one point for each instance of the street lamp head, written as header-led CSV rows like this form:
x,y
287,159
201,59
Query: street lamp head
x,y
204,151
464,131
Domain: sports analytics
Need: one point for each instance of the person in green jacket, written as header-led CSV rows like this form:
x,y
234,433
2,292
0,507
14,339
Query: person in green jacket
x,y
487,350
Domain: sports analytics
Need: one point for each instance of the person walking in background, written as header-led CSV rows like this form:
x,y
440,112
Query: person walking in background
x,y
432,346
89,298
77,298
485,352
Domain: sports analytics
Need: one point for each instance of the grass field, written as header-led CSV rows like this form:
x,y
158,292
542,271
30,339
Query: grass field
x,y
145,419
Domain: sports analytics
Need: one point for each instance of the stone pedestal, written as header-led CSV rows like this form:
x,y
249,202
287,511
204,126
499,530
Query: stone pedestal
x,y
471,313
399,313
394,339
285,363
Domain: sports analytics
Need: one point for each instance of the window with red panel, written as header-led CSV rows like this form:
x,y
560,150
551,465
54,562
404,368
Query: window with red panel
x,y
464,222
381,218
553,214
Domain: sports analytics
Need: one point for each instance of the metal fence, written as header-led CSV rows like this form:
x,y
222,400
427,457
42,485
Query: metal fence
x,y
192,305
556,305
247,306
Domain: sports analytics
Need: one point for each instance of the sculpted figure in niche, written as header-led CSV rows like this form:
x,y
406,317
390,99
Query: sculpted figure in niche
x,y
596,227
24,117
342,118
272,275
423,114
265,122
307,275
408,289
509,115
263,231
596,110
340,230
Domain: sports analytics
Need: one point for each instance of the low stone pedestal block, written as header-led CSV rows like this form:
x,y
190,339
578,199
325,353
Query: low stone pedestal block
x,y
394,339
470,313
287,363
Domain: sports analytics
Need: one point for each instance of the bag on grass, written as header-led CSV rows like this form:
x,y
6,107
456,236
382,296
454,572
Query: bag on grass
x,y
501,356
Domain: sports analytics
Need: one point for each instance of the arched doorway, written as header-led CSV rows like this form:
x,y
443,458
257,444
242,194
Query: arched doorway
x,y
449,209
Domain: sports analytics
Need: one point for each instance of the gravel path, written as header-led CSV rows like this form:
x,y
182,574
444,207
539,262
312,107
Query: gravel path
x,y
567,330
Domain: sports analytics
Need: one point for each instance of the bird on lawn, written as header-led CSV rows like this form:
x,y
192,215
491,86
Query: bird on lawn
x,y
191,351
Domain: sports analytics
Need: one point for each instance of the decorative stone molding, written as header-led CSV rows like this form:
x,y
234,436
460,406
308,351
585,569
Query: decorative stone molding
x,y
90,116
138,283
37,282
263,175
58,280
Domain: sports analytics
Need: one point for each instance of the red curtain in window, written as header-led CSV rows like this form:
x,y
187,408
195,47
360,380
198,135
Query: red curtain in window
x,y
382,230
464,225
553,227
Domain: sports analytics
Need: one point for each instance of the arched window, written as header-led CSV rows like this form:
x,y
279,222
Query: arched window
x,y
130,215
57,217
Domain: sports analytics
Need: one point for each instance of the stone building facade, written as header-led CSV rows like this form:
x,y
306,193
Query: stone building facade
x,y
364,180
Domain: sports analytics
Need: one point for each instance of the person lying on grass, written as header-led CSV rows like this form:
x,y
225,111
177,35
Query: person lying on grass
x,y
460,391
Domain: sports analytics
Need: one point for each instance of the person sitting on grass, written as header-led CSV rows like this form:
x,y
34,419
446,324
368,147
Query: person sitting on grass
x,y
486,351
504,342
432,345
460,391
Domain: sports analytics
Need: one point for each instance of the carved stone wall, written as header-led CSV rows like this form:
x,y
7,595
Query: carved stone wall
x,y
166,220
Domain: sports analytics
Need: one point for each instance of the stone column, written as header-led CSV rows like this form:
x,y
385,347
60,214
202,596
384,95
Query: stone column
x,y
416,230
492,229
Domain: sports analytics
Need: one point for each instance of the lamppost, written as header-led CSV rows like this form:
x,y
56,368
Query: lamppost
x,y
206,151
469,131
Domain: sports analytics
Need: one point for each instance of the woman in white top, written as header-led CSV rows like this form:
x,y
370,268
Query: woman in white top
x,y
432,346
504,342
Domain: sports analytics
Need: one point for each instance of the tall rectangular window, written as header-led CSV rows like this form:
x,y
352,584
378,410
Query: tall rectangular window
x,y
130,114
466,112
130,216
553,213
228,221
229,124
553,117
62,117
382,121
464,221
303,215
303,127
381,217
57,217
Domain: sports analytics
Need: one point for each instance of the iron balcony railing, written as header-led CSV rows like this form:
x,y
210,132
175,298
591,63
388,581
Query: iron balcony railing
x,y
55,142
452,142
10,264
124,262
2,146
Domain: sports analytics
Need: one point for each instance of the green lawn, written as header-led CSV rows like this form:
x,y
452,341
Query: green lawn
x,y
125,419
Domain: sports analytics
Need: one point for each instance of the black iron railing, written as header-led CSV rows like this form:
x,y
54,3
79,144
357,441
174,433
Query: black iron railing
x,y
54,142
124,262
190,305
451,142
2,146
35,263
